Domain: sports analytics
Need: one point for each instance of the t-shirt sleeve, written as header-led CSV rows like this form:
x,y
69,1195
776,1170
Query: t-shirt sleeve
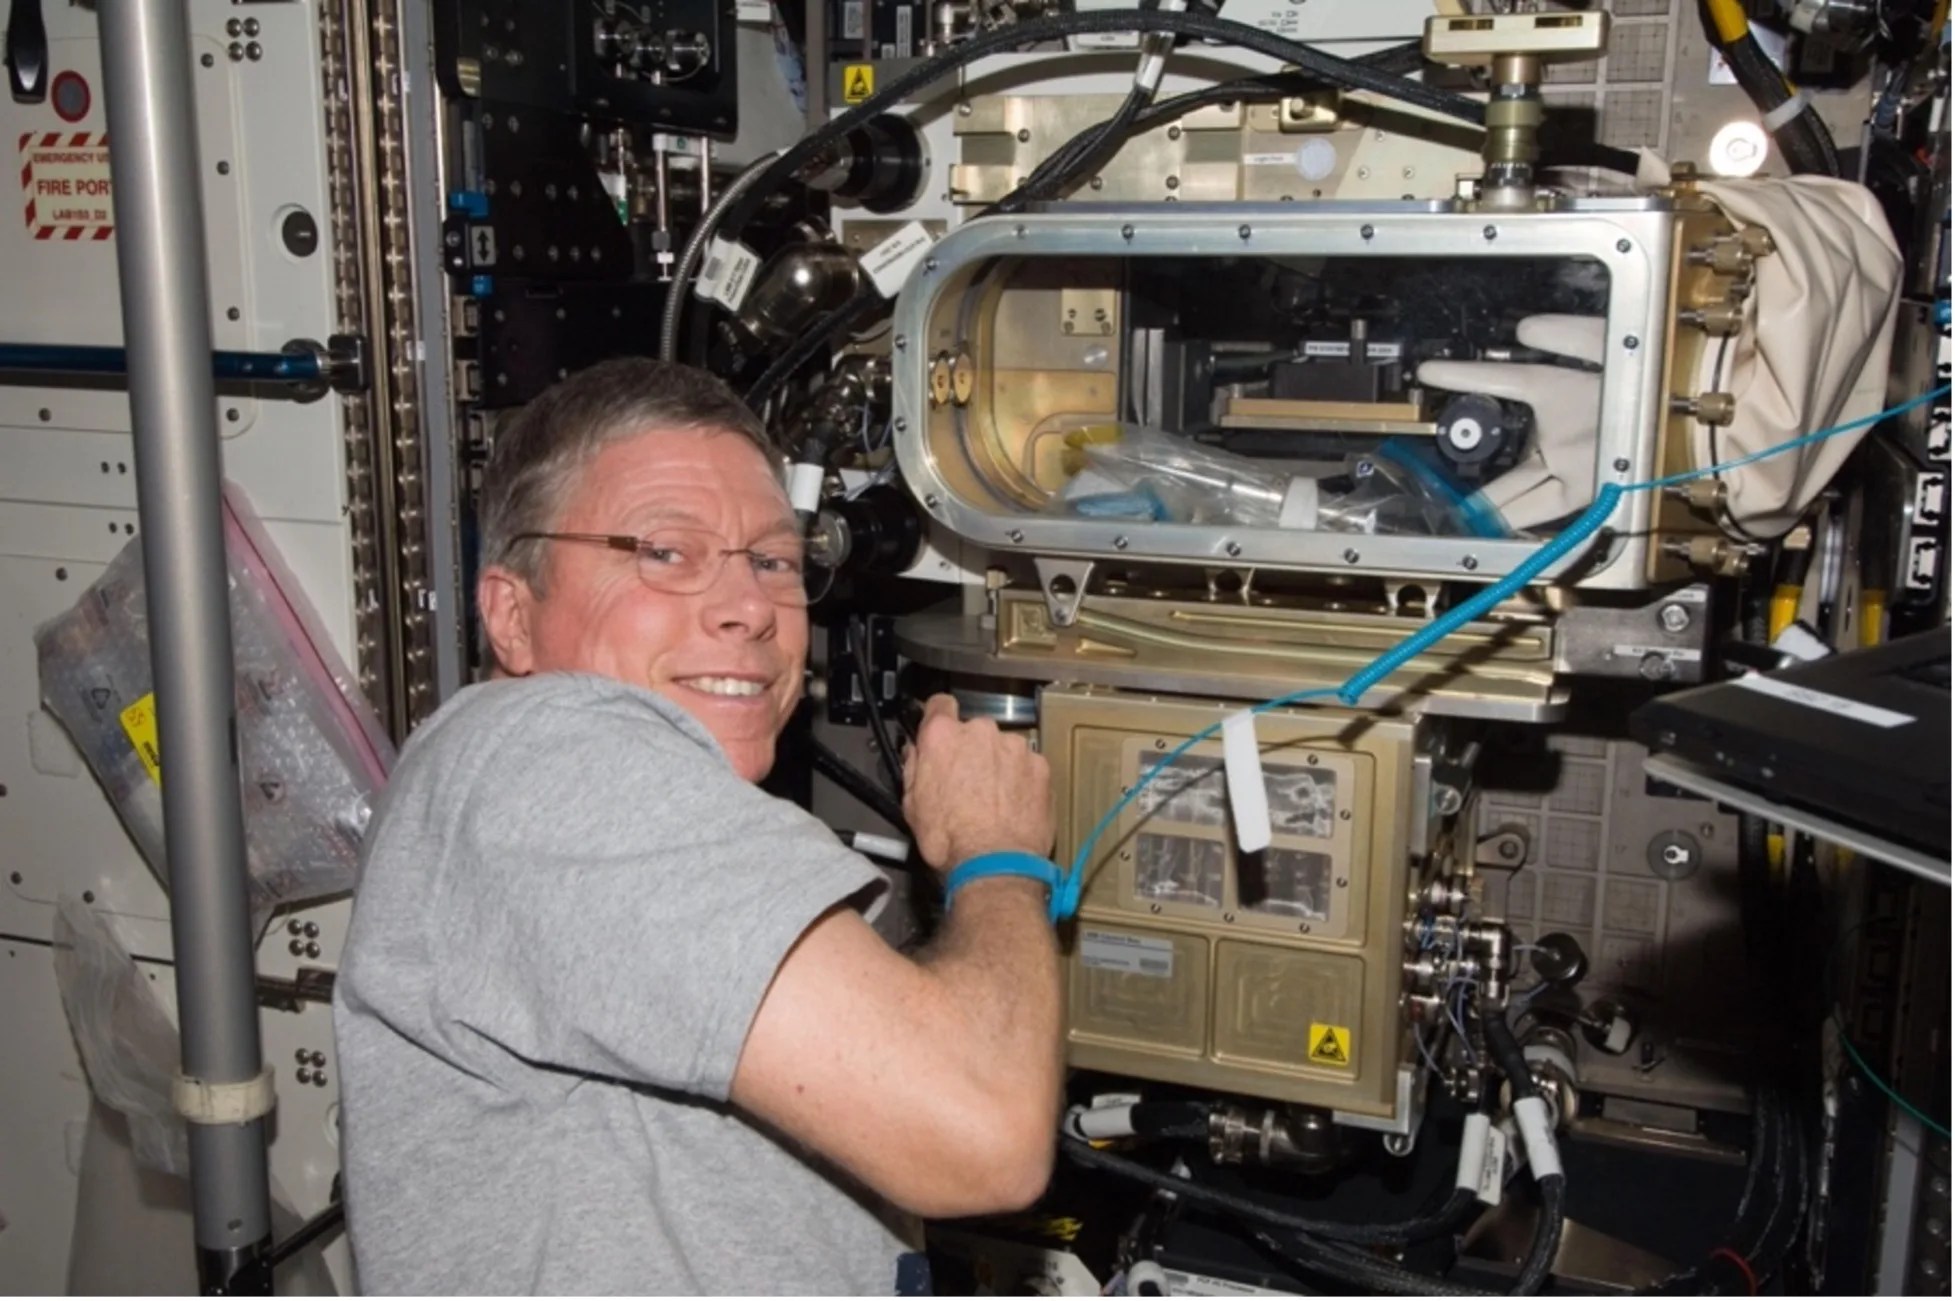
x,y
615,900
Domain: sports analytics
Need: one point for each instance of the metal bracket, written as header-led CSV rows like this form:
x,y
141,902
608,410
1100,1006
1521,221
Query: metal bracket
x,y
1504,848
1064,584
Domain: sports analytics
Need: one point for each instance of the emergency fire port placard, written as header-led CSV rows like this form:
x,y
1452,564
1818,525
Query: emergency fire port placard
x,y
64,180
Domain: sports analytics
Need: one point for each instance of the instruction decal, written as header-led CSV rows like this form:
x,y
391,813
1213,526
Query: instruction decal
x,y
64,183
1330,1045
858,82
139,721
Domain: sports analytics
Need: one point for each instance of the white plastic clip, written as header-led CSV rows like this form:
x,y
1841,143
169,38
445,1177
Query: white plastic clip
x,y
202,1102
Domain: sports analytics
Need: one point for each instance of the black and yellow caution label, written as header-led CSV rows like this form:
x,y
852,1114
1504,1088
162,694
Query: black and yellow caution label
x,y
858,82
1330,1045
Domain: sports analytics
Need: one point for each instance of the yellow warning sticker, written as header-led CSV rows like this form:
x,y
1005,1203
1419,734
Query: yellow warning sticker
x,y
858,82
139,721
1330,1045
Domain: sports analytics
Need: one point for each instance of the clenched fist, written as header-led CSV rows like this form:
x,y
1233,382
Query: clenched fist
x,y
969,789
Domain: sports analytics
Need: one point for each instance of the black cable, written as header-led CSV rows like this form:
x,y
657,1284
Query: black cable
x,y
856,783
1188,1190
804,349
1508,1058
886,752
308,1233
1803,140
1370,1272
1343,72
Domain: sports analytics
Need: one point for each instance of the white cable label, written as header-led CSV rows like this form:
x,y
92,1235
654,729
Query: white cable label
x,y
1248,798
758,12
804,480
1472,1150
1531,1114
889,263
736,277
1493,1169
719,253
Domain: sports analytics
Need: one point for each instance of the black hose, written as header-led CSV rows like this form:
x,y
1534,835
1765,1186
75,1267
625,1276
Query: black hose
x,y
1247,1208
1805,142
1342,72
1510,1061
856,783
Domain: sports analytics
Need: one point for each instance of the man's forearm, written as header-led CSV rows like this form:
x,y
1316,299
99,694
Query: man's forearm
x,y
997,958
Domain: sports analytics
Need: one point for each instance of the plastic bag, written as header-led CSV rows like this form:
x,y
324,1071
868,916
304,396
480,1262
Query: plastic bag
x,y
1128,472
127,1044
312,754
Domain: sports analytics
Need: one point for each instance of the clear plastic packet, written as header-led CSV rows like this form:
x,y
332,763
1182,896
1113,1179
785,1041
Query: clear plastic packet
x,y
126,1041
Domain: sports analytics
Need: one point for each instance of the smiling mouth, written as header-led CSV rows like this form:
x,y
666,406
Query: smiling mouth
x,y
731,688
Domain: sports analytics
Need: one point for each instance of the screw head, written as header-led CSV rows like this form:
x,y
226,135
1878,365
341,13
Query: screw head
x,y
1350,556
1674,617
1233,548
1019,230
1365,232
1126,232
1016,535
929,264
901,424
1491,232
1622,465
1242,232
1120,543
932,501
1622,246
1469,562
1631,342
902,342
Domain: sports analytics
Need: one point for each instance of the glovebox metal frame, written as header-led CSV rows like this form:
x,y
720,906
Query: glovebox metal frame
x,y
1631,238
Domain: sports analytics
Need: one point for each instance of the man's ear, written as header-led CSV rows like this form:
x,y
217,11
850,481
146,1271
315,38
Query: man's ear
x,y
508,606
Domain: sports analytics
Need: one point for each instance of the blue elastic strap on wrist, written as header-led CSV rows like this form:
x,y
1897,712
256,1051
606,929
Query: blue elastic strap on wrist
x,y
1009,862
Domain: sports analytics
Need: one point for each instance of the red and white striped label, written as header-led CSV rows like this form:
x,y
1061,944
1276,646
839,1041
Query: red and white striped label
x,y
64,179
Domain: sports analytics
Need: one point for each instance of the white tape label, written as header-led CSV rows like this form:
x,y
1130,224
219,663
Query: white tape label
x,y
1112,951
1858,711
758,12
736,277
889,263
1248,797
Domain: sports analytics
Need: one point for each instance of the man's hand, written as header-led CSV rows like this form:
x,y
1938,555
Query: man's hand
x,y
968,789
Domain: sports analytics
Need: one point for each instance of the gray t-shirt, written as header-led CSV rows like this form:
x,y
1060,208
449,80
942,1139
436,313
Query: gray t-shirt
x,y
570,909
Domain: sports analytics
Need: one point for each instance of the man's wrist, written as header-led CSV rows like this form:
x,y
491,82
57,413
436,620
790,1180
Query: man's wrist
x,y
1005,865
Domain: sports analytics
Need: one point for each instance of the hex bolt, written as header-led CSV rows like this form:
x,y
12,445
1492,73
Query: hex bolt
x,y
1675,618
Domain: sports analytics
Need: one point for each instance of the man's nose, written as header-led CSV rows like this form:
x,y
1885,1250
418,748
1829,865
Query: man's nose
x,y
736,601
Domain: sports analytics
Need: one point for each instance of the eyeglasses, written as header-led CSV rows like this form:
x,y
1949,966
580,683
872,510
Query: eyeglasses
x,y
685,562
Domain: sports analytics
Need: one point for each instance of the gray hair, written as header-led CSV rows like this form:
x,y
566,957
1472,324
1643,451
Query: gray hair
x,y
541,454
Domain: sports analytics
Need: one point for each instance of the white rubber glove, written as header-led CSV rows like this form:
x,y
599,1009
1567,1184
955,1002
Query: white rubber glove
x,y
1557,475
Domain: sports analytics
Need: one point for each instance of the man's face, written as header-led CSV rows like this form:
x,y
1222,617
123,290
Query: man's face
x,y
599,616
